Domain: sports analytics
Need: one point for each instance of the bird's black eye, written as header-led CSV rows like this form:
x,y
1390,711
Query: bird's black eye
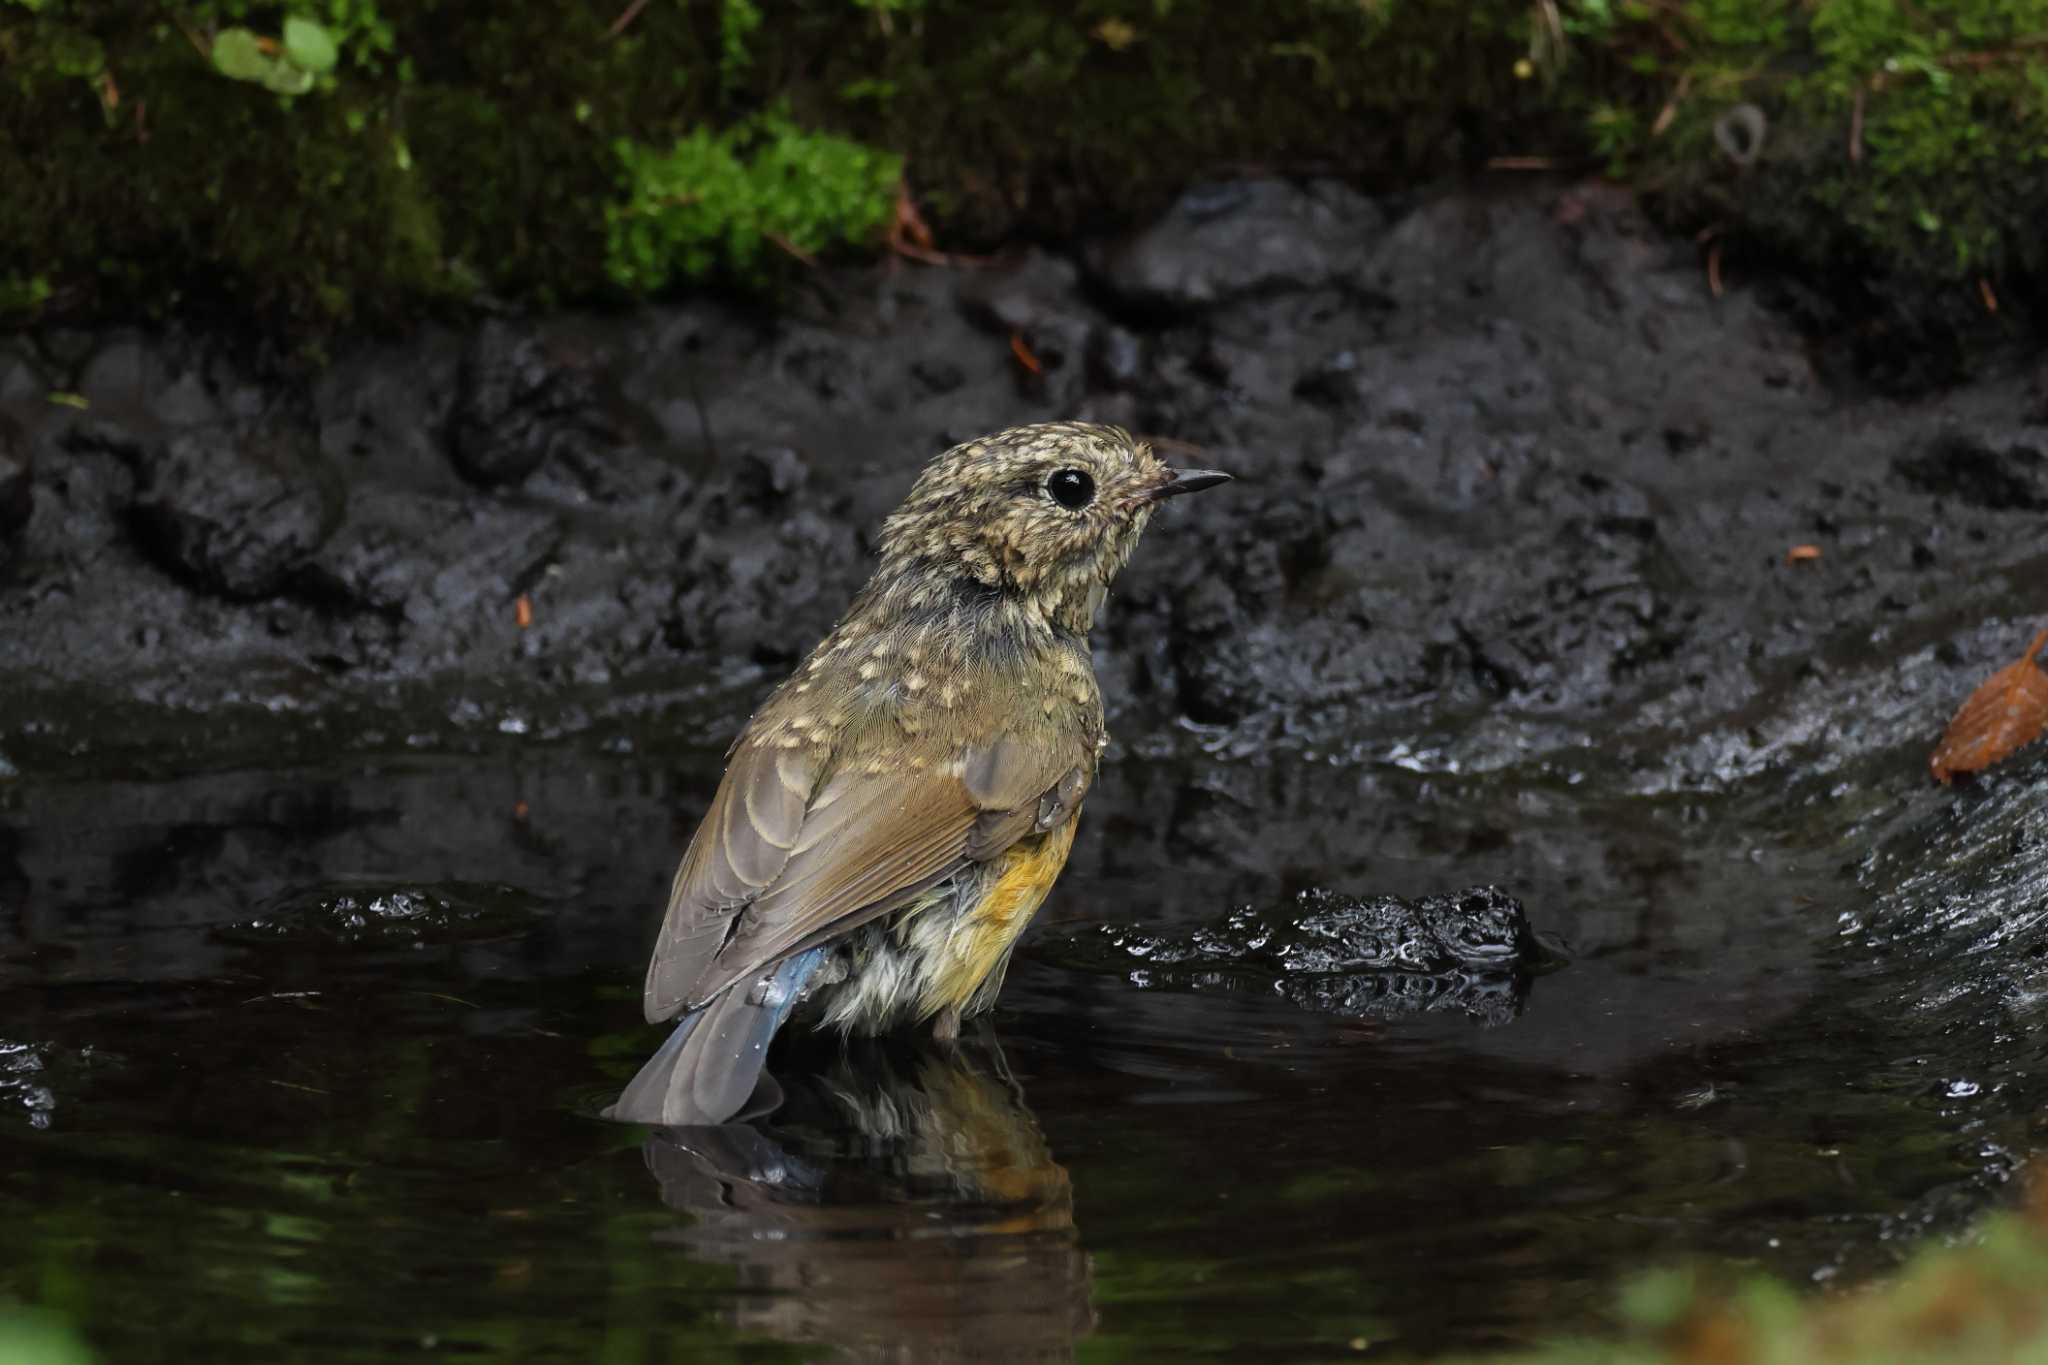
x,y
1071,488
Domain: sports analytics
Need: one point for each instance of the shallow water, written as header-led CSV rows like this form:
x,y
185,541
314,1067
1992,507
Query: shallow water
x,y
305,1064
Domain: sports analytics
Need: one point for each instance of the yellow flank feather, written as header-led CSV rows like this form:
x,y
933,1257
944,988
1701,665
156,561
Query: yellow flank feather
x,y
985,933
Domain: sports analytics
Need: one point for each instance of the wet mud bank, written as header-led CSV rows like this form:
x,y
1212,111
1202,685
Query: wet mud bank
x,y
387,696
1500,457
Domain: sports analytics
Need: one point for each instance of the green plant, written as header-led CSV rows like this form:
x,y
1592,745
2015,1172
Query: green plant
x,y
720,200
737,20
23,293
307,50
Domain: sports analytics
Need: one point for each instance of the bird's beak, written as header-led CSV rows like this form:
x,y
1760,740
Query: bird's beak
x,y
1189,481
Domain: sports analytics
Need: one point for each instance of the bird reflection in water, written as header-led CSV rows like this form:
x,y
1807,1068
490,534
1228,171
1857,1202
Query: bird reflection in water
x,y
899,1203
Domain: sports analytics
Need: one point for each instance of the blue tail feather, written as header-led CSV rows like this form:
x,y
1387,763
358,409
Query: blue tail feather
x,y
709,1066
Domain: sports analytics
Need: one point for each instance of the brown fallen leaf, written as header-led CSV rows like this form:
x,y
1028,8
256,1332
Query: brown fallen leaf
x,y
2009,710
522,611
1802,554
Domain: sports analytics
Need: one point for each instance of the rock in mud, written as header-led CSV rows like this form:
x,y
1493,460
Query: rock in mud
x,y
431,557
1347,955
236,511
1035,308
1221,242
517,402
1482,927
1971,471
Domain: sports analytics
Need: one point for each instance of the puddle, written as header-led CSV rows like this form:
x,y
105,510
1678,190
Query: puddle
x,y
307,1062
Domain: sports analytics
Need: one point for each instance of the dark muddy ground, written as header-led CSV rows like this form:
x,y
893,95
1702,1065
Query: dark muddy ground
x,y
324,884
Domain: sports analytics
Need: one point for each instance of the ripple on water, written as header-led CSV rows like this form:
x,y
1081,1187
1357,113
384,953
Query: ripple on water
x,y
387,916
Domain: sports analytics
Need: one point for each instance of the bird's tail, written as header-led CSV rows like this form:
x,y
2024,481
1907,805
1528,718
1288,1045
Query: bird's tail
x,y
709,1066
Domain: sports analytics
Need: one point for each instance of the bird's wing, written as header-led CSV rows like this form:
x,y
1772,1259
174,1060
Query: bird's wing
x,y
788,855
740,848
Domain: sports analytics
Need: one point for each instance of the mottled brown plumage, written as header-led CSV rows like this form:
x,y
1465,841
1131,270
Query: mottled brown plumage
x,y
896,811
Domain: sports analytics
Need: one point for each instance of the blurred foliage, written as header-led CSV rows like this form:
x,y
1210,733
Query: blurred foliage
x,y
1980,1303
33,1338
327,161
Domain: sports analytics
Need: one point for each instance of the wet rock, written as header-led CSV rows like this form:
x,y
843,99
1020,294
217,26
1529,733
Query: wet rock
x,y
1968,469
375,560
1230,647
517,402
434,560
236,511
1574,629
1481,927
1380,955
1222,242
1334,381
1116,359
770,475
1033,310
17,495
24,1087
938,377
762,590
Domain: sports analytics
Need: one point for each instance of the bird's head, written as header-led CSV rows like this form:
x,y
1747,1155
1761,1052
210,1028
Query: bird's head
x,y
1046,515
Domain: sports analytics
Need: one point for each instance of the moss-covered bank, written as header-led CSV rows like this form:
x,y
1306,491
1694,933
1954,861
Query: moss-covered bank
x,y
332,160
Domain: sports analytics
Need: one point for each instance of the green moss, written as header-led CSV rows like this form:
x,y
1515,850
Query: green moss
x,y
1905,139
720,201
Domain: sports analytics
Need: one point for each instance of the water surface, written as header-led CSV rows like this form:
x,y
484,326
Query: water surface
x,y
305,1065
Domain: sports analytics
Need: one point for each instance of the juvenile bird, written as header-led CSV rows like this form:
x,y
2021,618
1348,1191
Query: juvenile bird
x,y
896,811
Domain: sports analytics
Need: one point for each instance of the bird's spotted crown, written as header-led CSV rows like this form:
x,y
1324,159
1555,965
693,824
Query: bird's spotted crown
x,y
1045,514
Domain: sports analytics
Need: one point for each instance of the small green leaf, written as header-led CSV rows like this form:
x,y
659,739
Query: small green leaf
x,y
286,79
239,56
309,45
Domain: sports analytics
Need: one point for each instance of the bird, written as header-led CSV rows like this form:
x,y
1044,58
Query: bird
x,y
893,815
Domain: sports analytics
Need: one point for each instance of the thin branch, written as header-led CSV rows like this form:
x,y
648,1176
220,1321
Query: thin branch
x,y
625,19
